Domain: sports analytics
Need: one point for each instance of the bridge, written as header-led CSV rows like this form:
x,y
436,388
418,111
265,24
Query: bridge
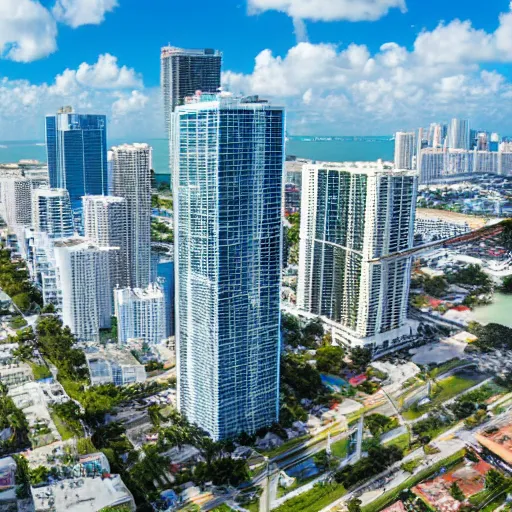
x,y
485,232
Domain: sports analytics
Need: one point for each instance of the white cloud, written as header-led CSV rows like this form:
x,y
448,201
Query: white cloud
x,y
329,10
134,102
27,30
104,74
350,90
131,110
82,12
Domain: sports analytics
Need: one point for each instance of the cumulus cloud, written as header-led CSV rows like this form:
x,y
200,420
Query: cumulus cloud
x,y
102,87
27,30
127,104
329,10
349,87
76,13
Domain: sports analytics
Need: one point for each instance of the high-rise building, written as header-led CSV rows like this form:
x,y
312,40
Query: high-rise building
x,y
83,271
106,224
356,220
16,201
458,134
405,150
51,212
184,72
141,314
228,156
131,179
76,146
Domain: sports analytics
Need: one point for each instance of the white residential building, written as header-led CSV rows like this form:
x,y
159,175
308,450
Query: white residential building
x,y
84,279
16,201
106,224
131,180
51,212
141,314
356,220
458,134
116,366
405,150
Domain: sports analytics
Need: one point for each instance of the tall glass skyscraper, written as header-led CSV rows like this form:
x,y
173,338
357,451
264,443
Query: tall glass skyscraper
x,y
228,157
183,73
357,221
76,146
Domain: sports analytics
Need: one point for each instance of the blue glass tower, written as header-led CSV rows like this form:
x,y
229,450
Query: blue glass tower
x,y
76,146
228,156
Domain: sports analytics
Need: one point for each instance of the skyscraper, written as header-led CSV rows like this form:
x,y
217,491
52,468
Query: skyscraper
x,y
141,314
458,134
51,212
16,201
356,219
76,146
131,179
405,150
83,271
228,157
184,72
106,224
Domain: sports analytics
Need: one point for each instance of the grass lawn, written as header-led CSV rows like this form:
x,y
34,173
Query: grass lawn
x,y
392,495
449,365
453,386
445,390
64,431
402,441
286,446
315,499
340,448
40,371
222,508
253,506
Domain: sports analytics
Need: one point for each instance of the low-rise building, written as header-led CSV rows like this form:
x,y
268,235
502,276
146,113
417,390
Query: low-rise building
x,y
13,375
498,441
83,495
117,366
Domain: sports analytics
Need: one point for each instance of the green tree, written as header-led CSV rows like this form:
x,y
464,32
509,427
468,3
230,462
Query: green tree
x,y
329,359
354,505
506,285
22,301
494,479
435,286
361,357
456,492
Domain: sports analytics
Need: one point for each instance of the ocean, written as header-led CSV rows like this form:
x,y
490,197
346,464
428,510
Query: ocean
x,y
336,150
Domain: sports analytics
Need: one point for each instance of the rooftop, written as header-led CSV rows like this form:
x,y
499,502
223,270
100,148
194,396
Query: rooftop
x,y
169,50
469,477
370,168
136,146
498,441
104,199
82,495
118,355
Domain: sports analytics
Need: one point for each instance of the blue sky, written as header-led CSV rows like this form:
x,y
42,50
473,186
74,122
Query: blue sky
x,y
440,59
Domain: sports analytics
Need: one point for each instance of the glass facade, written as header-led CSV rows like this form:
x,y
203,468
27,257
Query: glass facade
x,y
229,156
77,155
352,221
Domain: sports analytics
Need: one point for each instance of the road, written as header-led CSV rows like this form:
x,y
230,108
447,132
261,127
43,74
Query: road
x,y
393,476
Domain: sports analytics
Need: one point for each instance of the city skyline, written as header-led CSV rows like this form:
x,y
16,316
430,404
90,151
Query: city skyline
x,y
394,42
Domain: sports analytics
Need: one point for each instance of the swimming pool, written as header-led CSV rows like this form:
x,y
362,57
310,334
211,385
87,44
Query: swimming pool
x,y
333,382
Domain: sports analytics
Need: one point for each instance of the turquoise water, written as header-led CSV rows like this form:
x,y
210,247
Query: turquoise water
x,y
496,313
334,383
335,151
